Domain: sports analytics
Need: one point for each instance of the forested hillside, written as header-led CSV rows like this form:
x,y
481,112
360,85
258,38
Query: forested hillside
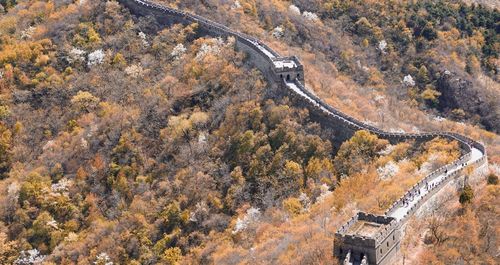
x,y
124,142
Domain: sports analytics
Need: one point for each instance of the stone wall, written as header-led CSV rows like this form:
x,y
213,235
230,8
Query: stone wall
x,y
388,248
378,249
257,60
165,16
341,126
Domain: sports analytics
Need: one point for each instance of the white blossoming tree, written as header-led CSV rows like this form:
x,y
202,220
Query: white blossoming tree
x,y
408,81
142,36
325,192
305,201
96,57
252,215
387,171
27,33
103,259
236,5
214,47
76,55
382,46
134,71
294,9
29,257
53,223
178,51
61,186
310,16
387,150
278,32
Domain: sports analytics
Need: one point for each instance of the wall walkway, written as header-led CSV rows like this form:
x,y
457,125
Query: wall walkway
x,y
261,56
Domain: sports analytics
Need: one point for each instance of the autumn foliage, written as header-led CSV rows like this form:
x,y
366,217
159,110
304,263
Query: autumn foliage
x,y
125,142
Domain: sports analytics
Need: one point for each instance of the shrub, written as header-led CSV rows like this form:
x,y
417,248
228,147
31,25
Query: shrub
x,y
172,256
292,206
492,179
466,195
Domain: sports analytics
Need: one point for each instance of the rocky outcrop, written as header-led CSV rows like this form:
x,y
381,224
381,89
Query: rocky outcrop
x,y
478,104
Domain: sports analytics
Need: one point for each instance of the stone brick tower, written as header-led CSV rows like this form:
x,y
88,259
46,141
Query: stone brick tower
x,y
368,239
288,69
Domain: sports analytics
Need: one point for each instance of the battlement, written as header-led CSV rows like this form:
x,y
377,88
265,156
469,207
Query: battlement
x,y
286,63
367,236
288,68
365,226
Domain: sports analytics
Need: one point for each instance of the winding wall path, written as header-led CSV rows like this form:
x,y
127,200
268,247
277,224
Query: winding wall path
x,y
474,153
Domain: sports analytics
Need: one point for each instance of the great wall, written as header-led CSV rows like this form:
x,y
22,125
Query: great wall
x,y
365,238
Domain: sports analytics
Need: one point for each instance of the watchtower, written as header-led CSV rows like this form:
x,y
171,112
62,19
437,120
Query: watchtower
x,y
288,69
368,239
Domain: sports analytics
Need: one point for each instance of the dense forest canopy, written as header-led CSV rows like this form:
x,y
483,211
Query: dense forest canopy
x,y
414,49
125,142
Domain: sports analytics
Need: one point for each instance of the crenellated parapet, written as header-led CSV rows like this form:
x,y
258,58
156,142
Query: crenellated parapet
x,y
288,69
365,238
368,237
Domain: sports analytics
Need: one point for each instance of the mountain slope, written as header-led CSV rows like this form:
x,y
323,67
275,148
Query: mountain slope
x,y
128,143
